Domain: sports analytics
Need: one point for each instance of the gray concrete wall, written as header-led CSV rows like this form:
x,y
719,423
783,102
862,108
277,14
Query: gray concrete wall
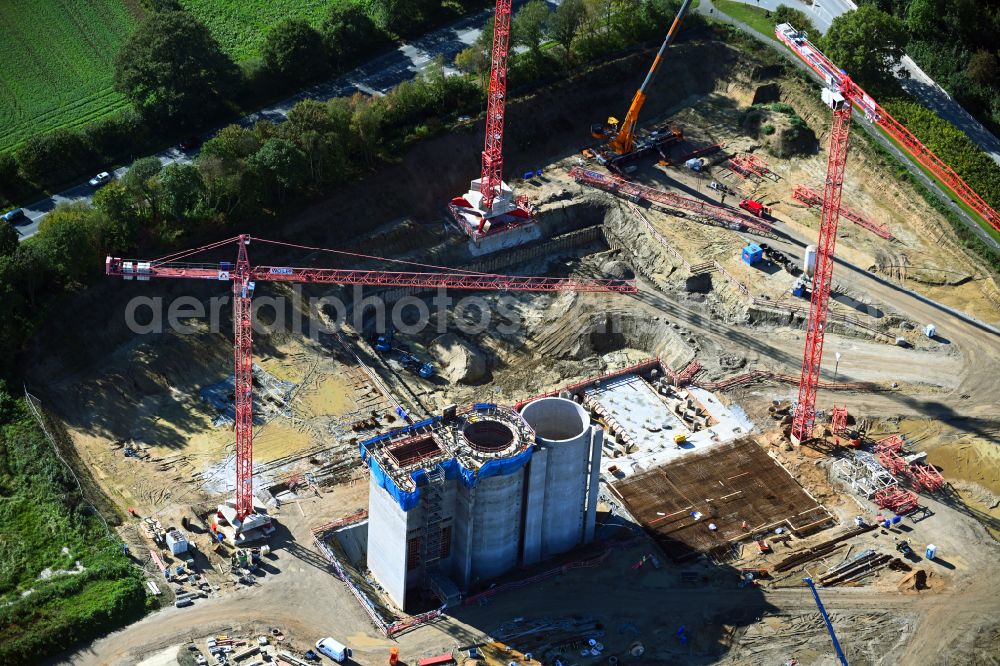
x,y
562,428
534,508
494,541
594,483
387,535
461,547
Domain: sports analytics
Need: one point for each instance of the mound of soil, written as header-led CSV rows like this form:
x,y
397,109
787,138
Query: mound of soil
x,y
460,361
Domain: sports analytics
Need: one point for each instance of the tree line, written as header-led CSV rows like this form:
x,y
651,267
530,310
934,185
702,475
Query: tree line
x,y
869,43
549,43
179,82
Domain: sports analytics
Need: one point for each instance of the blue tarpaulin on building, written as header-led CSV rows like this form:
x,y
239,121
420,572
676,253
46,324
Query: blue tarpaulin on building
x,y
452,468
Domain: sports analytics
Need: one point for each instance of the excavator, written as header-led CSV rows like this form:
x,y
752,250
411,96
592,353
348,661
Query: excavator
x,y
622,143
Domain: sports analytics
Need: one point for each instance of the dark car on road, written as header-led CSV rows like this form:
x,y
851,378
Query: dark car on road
x,y
189,143
14,216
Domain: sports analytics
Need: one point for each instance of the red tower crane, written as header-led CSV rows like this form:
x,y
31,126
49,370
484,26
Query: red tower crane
x,y
244,278
838,79
805,411
489,200
840,94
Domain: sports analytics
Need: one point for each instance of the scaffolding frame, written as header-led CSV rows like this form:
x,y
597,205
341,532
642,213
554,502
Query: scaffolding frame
x,y
864,473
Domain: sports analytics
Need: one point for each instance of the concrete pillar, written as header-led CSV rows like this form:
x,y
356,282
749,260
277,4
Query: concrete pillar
x,y
594,484
534,505
461,562
388,525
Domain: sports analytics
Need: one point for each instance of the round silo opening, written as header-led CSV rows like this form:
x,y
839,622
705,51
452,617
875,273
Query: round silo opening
x,y
556,419
488,435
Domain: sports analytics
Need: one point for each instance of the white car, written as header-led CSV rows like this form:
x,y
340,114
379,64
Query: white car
x,y
334,649
102,178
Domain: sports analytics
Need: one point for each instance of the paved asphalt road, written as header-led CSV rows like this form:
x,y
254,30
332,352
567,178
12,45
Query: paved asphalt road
x,y
376,76
706,6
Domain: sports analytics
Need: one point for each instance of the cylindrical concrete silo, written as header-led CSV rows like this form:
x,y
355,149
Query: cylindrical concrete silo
x,y
562,428
489,513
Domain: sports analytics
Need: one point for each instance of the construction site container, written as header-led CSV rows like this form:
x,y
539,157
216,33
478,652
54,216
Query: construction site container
x,y
562,428
930,330
751,254
176,542
809,260
931,551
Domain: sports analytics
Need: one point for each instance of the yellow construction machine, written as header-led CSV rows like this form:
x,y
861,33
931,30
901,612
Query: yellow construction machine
x,y
620,136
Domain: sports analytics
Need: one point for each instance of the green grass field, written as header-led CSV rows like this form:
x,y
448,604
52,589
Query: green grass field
x,y
55,67
241,25
752,16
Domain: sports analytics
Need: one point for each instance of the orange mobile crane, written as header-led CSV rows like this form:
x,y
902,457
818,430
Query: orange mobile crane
x,y
622,144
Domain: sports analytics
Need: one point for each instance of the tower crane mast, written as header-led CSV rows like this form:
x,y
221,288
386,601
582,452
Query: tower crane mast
x,y
244,278
805,412
491,179
490,200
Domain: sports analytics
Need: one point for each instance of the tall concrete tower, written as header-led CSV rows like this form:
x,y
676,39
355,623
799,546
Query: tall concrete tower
x,y
459,499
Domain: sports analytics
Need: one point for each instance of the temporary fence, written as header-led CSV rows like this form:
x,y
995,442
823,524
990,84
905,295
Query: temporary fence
x,y
369,606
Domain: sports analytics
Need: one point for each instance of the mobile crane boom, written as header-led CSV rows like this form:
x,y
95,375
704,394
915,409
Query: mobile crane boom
x,y
826,618
624,139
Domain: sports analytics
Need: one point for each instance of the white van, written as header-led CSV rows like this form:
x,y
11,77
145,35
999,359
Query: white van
x,y
334,650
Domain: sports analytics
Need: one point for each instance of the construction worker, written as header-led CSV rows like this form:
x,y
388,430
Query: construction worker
x,y
745,526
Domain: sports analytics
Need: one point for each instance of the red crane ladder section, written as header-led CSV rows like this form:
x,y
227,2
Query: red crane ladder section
x,y
243,384
805,413
838,422
812,198
492,174
622,187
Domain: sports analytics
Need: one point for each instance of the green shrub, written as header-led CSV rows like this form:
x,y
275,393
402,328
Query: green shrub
x,y
40,500
768,129
54,157
953,146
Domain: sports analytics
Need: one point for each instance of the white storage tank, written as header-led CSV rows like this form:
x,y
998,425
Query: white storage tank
x,y
562,428
809,260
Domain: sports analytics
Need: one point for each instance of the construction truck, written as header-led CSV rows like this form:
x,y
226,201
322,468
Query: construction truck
x,y
622,142
386,344
755,208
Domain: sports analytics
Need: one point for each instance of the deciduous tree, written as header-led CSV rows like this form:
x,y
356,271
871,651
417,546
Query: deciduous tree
x,y
565,23
867,43
173,70
528,26
181,186
349,33
294,50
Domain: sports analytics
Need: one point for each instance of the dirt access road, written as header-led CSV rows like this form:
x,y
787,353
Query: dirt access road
x,y
307,602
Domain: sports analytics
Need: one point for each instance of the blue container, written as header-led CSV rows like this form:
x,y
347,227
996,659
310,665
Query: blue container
x,y
752,254
887,523
896,519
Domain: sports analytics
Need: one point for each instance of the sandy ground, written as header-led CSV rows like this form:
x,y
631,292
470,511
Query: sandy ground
x,y
145,391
